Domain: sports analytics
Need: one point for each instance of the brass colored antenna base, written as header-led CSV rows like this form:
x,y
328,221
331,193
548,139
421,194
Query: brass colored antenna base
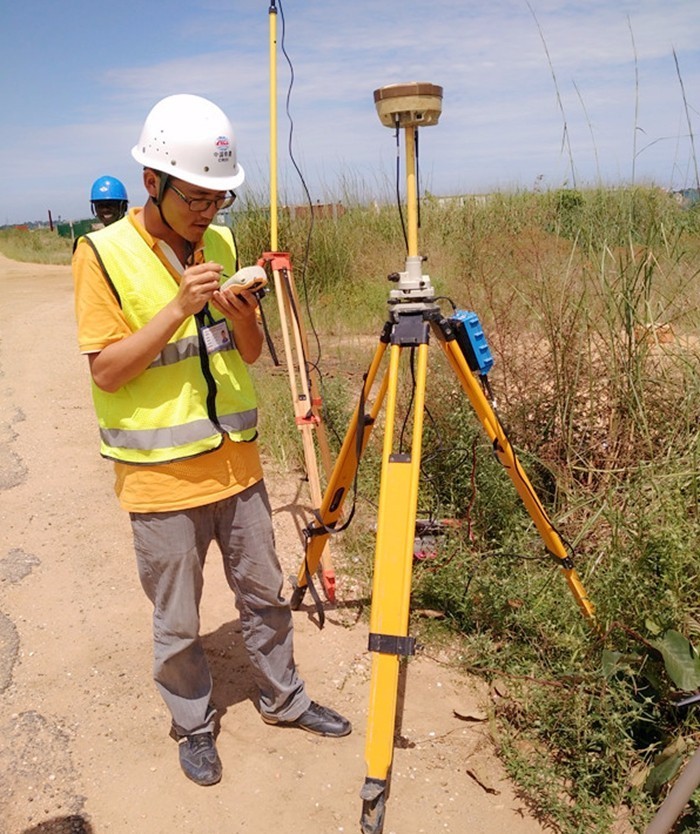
x,y
416,104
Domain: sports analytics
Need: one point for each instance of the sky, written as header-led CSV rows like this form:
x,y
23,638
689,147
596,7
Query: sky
x,y
536,93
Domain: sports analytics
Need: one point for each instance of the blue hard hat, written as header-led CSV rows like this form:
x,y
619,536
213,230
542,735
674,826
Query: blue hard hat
x,y
107,188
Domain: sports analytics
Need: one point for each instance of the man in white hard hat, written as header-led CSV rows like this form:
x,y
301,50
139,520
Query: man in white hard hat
x,y
177,414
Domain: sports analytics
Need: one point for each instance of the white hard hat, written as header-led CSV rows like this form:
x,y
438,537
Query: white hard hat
x,y
190,138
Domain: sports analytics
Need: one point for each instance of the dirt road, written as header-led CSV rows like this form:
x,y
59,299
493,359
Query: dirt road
x,y
84,744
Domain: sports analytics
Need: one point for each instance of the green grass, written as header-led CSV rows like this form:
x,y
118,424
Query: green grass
x,y
39,246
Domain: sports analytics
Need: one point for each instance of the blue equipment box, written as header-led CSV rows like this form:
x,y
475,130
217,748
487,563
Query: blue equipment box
x,y
472,341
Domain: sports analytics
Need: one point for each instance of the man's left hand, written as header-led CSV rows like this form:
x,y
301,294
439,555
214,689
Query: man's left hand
x,y
235,306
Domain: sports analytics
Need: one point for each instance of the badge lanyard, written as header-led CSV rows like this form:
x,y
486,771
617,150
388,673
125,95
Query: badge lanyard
x,y
215,333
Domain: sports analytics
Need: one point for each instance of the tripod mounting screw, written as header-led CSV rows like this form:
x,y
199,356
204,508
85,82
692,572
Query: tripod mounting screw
x,y
415,104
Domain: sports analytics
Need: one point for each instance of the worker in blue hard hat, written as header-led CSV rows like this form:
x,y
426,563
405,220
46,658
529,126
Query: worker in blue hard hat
x,y
108,199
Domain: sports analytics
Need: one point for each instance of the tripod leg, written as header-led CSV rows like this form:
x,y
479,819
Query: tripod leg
x,y
343,474
508,459
311,423
391,589
310,384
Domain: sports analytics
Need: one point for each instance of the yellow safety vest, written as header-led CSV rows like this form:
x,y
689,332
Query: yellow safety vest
x,y
187,400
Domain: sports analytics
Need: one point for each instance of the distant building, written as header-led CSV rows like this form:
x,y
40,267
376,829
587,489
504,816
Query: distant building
x,y
321,210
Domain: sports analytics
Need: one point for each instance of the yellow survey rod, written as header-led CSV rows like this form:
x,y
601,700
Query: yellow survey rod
x,y
272,18
506,455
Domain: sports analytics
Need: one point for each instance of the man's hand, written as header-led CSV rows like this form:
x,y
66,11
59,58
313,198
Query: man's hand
x,y
235,305
197,286
241,310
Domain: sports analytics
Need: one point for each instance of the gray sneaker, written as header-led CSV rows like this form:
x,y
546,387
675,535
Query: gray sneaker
x,y
199,760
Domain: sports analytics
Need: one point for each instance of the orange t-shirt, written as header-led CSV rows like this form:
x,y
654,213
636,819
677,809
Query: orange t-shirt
x,y
182,484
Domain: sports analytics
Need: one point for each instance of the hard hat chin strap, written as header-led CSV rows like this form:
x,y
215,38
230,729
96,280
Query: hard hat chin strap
x,y
163,182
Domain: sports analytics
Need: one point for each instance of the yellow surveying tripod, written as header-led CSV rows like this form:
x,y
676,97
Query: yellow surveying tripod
x,y
413,316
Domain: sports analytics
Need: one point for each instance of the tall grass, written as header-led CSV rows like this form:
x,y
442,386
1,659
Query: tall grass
x,y
39,246
591,303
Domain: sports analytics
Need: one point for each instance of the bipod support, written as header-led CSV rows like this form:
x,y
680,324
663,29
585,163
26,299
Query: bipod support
x,y
303,388
306,399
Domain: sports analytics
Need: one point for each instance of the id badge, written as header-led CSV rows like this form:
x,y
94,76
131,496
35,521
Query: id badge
x,y
217,337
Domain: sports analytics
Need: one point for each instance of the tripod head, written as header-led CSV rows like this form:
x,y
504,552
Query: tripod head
x,y
408,107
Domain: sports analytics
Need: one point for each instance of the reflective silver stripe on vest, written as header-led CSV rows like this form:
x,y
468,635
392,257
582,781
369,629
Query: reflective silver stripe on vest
x,y
174,436
239,420
182,349
177,351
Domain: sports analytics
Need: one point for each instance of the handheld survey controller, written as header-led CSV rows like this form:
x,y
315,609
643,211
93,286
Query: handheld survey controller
x,y
251,278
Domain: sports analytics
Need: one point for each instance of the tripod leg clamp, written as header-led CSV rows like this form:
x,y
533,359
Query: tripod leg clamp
x,y
391,644
566,563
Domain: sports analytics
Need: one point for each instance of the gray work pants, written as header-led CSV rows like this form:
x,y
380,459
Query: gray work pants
x,y
171,548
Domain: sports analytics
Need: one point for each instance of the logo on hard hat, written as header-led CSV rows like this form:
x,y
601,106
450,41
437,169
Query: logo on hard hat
x,y
223,149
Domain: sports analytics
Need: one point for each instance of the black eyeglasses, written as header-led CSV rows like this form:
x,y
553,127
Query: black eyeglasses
x,y
200,204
